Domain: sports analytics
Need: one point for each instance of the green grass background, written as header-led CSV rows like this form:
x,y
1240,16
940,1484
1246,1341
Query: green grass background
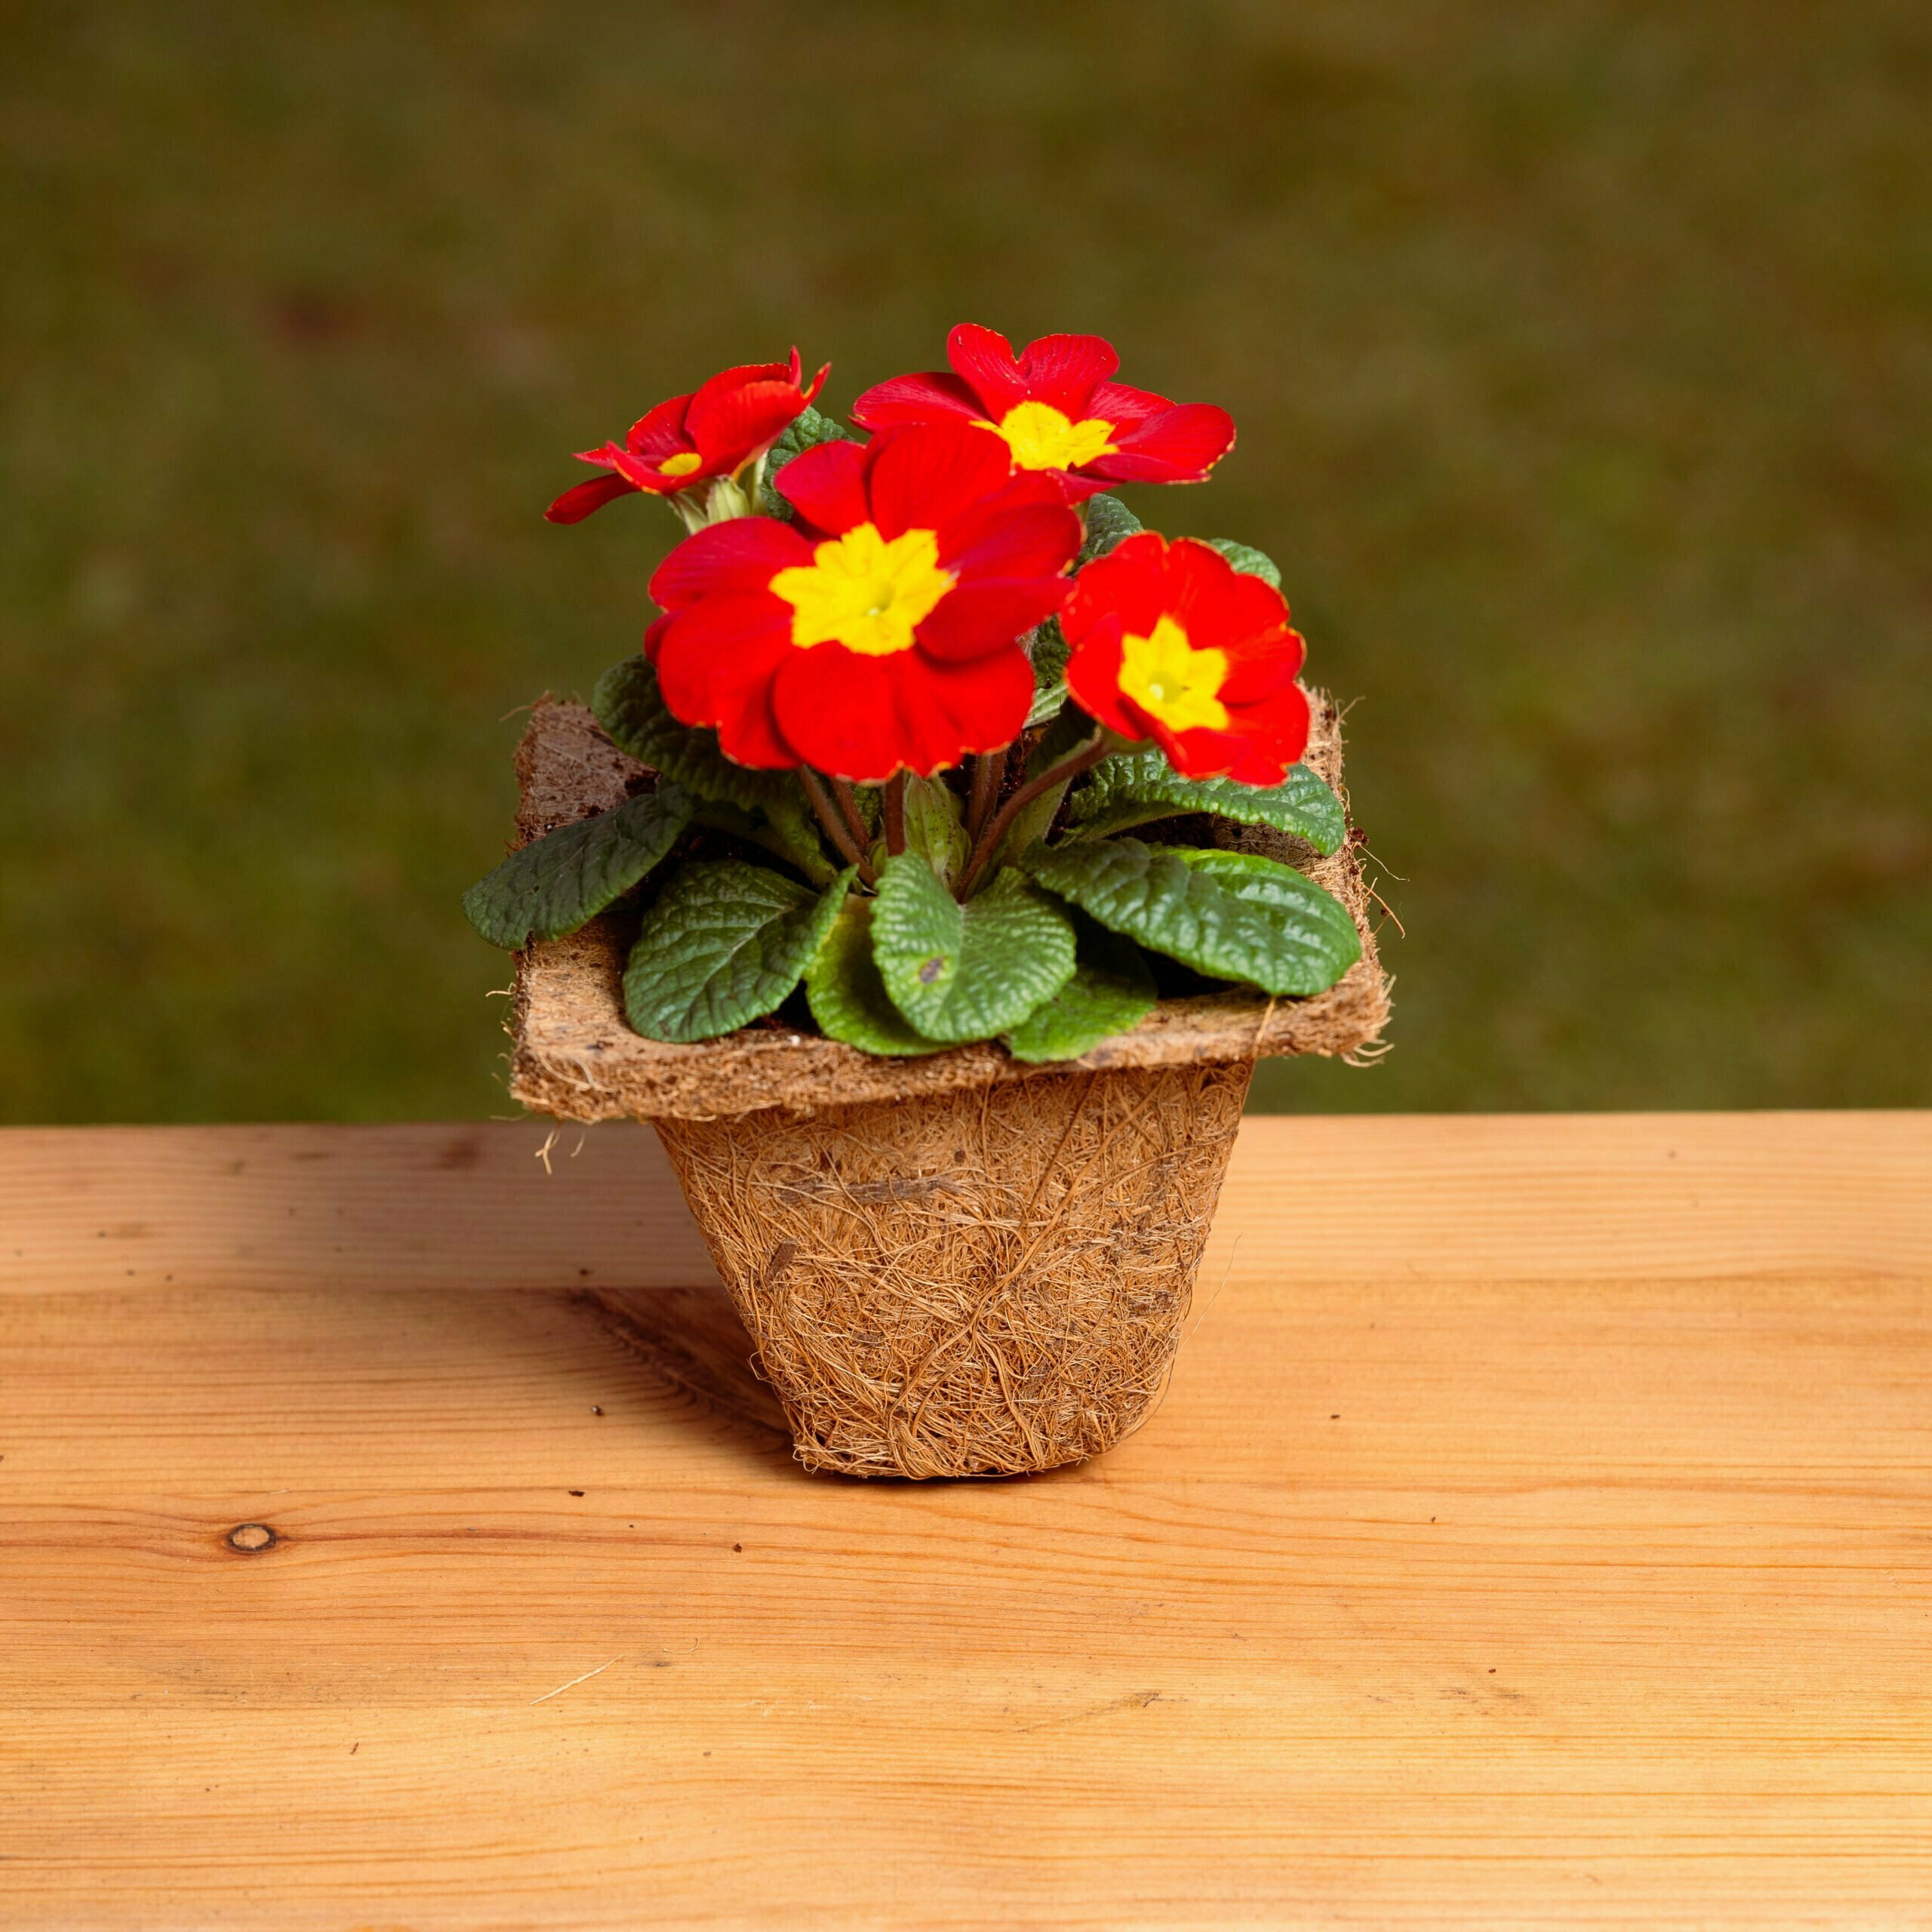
x,y
1581,358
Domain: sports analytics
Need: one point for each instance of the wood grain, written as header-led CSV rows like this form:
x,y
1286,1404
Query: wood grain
x,y
1538,1532
524,1204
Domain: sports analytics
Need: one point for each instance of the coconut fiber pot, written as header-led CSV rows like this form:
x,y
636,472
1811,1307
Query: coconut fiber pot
x,y
952,1265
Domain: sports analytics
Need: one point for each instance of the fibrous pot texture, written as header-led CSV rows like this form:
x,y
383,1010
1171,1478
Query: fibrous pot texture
x,y
981,1283
951,1265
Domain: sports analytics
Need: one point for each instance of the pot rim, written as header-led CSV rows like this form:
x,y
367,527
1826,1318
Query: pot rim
x,y
576,1057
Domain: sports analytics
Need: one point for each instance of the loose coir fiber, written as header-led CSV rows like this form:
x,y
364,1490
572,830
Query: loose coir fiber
x,y
976,1283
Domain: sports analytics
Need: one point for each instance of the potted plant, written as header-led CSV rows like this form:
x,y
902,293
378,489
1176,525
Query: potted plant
x,y
932,880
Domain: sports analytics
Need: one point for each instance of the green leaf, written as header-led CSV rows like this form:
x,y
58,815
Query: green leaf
x,y
1111,992
1246,558
1229,914
1064,737
1141,785
556,883
1109,521
632,709
847,999
790,830
934,826
805,431
724,946
964,972
1050,653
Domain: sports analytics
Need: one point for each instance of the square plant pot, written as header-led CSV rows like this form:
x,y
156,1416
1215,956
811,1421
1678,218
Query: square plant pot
x,y
957,1264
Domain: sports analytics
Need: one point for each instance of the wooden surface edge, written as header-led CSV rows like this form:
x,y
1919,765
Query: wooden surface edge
x,y
510,1205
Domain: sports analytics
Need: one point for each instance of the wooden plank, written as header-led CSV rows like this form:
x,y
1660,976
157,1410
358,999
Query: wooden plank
x,y
1635,1197
1593,1597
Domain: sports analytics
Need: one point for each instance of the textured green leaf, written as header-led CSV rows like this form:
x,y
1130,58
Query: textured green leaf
x,y
1050,653
1109,521
1062,738
1141,785
846,998
1111,992
965,972
557,882
1246,558
1230,914
631,708
790,830
934,825
805,431
724,945
1265,882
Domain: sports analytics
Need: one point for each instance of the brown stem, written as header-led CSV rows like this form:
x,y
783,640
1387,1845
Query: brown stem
x,y
1063,773
827,813
895,814
848,806
984,791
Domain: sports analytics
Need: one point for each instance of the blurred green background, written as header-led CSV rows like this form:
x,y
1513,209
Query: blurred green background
x,y
1582,356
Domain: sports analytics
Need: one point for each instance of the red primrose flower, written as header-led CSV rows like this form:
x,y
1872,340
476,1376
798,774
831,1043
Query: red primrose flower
x,y
1058,409
724,424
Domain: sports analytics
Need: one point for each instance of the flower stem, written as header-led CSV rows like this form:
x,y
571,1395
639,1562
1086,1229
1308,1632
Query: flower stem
x,y
895,814
848,806
827,813
1063,773
989,772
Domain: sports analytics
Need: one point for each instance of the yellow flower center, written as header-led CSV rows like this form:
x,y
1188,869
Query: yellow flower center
x,y
864,592
1166,677
1040,438
682,464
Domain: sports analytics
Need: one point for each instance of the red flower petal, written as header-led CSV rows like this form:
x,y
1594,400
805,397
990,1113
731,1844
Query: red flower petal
x,y
928,398
645,472
921,478
1181,446
1025,530
659,432
1093,676
826,485
1275,735
865,717
1201,587
739,555
577,502
1198,753
984,360
1259,664
1062,370
1223,609
1076,487
653,636
1261,741
978,618
1125,407
1129,581
730,426
715,664
839,708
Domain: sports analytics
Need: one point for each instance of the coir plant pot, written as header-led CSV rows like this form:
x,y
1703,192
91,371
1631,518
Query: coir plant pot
x,y
951,1265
